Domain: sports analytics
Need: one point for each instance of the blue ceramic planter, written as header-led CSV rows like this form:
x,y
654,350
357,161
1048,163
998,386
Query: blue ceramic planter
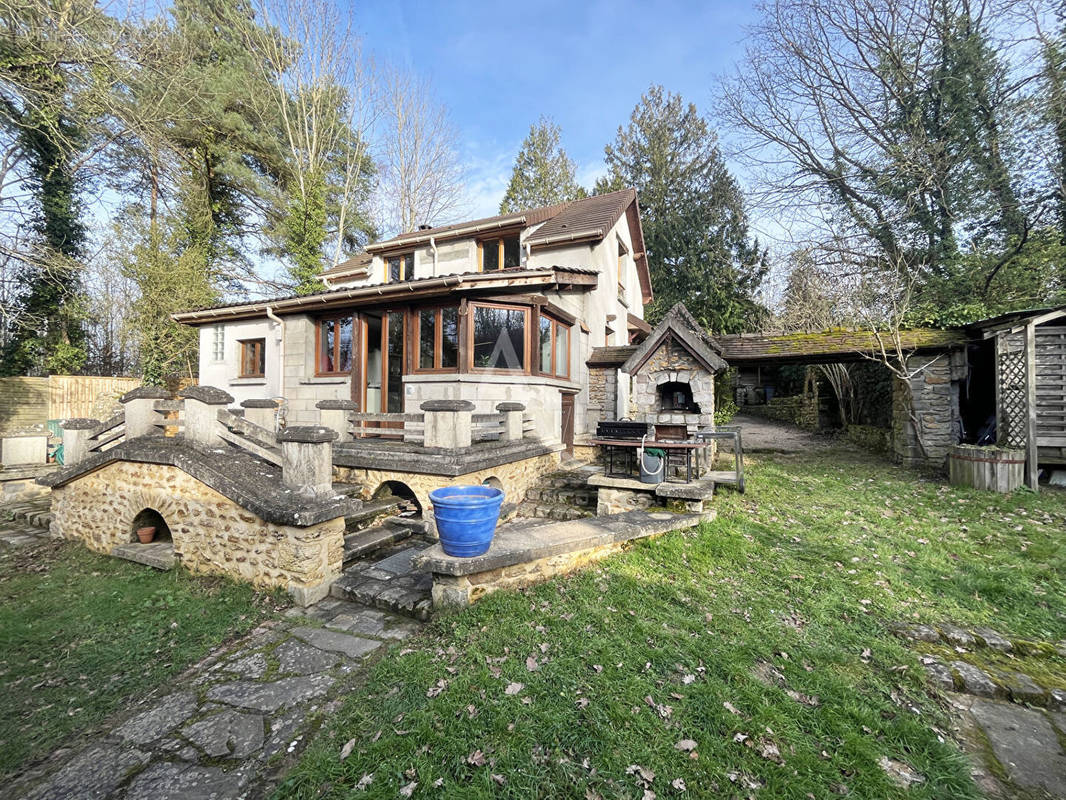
x,y
466,518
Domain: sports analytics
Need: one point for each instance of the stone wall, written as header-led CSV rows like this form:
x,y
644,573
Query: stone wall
x,y
603,395
618,501
801,410
458,591
211,533
933,399
868,437
515,479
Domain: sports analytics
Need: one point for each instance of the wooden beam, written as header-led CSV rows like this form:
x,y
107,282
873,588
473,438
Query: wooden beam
x,y
1032,468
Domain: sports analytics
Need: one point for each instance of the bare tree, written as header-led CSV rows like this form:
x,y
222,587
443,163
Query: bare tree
x,y
421,181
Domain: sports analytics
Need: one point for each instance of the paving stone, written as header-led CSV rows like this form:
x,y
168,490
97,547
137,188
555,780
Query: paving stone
x,y
974,681
295,656
283,730
1025,744
993,639
162,718
271,696
1057,700
228,733
250,666
916,632
1023,689
1058,719
351,646
371,622
179,781
957,636
900,773
94,773
400,563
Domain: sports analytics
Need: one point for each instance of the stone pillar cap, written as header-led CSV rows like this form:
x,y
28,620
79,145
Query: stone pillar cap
x,y
259,403
447,405
308,434
145,393
510,406
79,424
336,405
209,395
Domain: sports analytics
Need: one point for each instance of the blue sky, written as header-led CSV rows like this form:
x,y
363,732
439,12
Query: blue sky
x,y
499,66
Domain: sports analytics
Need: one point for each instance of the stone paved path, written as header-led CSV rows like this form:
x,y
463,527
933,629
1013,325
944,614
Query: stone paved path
x,y
25,522
232,724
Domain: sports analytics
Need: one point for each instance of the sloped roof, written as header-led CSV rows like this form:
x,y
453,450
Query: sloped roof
x,y
588,218
681,326
359,262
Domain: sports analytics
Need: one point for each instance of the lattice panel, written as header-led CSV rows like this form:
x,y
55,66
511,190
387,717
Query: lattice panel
x,y
1013,412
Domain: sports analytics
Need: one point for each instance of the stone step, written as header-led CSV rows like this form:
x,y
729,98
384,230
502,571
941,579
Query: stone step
x,y
410,524
368,512
364,542
408,600
154,554
553,511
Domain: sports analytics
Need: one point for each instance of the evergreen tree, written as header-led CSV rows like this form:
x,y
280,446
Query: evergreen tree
x,y
543,173
695,228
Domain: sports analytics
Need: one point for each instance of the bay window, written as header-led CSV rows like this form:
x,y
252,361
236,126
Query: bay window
x,y
438,338
498,335
334,346
554,347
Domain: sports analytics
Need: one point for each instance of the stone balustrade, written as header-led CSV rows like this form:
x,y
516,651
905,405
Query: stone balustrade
x,y
201,414
449,423
307,459
142,418
261,412
76,436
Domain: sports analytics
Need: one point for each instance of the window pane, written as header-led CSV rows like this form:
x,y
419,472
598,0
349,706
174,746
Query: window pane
x,y
394,390
344,333
545,344
325,360
512,252
490,255
260,362
220,343
394,269
409,266
427,322
562,350
449,337
499,338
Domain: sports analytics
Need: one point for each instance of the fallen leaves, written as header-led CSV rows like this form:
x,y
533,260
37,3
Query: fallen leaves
x,y
531,664
514,688
409,789
347,749
476,759
685,745
437,688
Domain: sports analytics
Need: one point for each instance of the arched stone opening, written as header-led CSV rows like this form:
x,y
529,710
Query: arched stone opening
x,y
404,492
676,396
494,482
149,517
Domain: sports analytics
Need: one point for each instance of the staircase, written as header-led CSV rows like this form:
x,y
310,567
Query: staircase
x,y
561,495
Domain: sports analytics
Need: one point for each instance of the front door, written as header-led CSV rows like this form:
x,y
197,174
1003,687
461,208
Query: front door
x,y
381,381
568,421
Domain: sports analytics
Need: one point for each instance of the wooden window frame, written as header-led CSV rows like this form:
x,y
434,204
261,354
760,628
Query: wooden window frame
x,y
438,340
403,260
555,324
623,252
498,240
259,343
319,372
527,355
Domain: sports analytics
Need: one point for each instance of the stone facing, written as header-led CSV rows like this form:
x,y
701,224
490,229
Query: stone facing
x,y
672,363
211,533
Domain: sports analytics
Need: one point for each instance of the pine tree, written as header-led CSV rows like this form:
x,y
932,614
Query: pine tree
x,y
695,228
543,173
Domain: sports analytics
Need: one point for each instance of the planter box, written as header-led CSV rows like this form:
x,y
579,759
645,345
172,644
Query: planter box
x,y
997,469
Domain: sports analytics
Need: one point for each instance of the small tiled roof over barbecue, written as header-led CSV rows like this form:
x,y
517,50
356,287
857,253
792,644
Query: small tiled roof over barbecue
x,y
679,326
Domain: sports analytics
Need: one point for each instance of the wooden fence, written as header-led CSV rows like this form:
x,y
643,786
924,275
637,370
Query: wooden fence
x,y
27,402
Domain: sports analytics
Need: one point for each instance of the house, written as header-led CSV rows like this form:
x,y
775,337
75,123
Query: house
x,y
508,308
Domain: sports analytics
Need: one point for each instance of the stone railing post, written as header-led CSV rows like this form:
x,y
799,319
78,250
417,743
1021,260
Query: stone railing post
x,y
307,459
512,420
449,423
333,414
261,412
201,414
76,433
139,409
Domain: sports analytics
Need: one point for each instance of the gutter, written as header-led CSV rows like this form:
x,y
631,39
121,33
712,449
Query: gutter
x,y
590,233
281,347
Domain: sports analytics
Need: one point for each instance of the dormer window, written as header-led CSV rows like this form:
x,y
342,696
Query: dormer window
x,y
503,252
400,268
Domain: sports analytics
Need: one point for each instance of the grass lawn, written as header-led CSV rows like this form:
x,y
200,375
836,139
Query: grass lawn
x,y
81,634
747,658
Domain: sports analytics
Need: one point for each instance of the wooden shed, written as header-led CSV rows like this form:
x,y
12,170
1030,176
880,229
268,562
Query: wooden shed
x,y
1030,384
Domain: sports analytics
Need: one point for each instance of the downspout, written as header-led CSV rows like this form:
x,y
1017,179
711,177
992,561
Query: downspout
x,y
529,252
281,347
433,247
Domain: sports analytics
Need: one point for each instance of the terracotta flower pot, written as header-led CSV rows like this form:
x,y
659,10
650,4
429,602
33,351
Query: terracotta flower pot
x,y
146,534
